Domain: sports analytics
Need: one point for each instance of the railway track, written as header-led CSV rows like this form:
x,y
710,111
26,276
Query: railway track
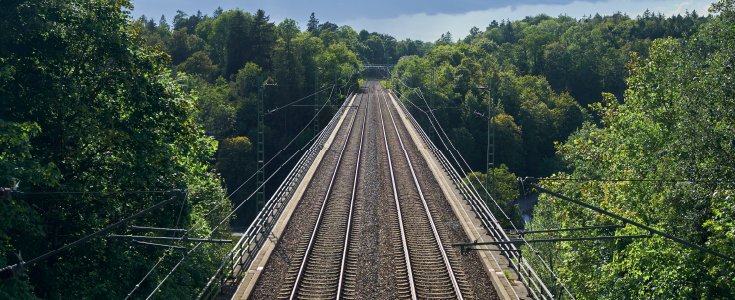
x,y
430,271
370,233
321,269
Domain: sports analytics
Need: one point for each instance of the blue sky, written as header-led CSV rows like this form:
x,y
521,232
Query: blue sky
x,y
423,20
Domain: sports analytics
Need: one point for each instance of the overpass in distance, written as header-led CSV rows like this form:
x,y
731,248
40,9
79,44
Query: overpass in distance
x,y
370,212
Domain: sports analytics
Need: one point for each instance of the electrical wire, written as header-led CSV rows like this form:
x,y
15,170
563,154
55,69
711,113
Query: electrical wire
x,y
271,159
476,178
165,253
490,197
24,265
324,88
101,192
284,148
240,205
634,180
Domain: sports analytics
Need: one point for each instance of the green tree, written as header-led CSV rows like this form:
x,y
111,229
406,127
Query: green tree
x,y
19,217
236,163
178,46
672,125
237,43
313,24
377,49
199,64
107,119
504,193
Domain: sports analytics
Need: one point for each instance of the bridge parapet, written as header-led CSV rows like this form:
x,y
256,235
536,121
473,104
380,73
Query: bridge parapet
x,y
240,259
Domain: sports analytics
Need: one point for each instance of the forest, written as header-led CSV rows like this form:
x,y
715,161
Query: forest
x,y
96,101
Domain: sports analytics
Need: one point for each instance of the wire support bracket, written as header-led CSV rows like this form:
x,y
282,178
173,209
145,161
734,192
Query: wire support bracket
x,y
15,270
626,220
522,232
139,228
520,242
157,238
160,245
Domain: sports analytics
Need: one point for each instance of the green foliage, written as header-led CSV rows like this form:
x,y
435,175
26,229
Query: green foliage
x,y
531,116
236,164
199,64
675,124
88,107
582,57
504,192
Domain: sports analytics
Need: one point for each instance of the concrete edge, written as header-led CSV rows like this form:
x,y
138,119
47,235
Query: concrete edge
x,y
459,211
264,254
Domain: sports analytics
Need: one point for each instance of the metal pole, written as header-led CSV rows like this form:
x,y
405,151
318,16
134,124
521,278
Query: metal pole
x,y
316,100
490,140
431,132
260,198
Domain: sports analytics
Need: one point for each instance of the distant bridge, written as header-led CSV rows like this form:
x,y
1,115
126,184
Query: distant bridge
x,y
379,69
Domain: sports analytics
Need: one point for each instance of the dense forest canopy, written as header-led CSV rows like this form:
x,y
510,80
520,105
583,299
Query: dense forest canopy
x,y
674,128
87,106
94,100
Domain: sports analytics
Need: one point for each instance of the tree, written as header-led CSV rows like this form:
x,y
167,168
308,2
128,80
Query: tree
x,y
235,163
87,106
217,12
364,35
504,193
216,114
313,23
200,64
263,35
178,46
493,24
328,26
672,125
377,49
237,45
445,39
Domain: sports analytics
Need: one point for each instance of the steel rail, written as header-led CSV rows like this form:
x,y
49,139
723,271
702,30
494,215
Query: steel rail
x,y
426,206
486,217
352,201
321,211
261,228
398,208
489,221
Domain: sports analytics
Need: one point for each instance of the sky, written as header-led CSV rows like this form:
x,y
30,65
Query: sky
x,y
424,20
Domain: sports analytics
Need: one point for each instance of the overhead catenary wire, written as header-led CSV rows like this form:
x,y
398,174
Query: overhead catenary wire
x,y
162,256
259,225
620,218
271,159
429,116
241,204
324,88
24,265
476,194
217,227
635,180
282,149
219,204
634,223
533,250
17,193
232,193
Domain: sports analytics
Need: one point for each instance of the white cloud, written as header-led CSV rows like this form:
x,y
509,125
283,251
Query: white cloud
x,y
430,28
